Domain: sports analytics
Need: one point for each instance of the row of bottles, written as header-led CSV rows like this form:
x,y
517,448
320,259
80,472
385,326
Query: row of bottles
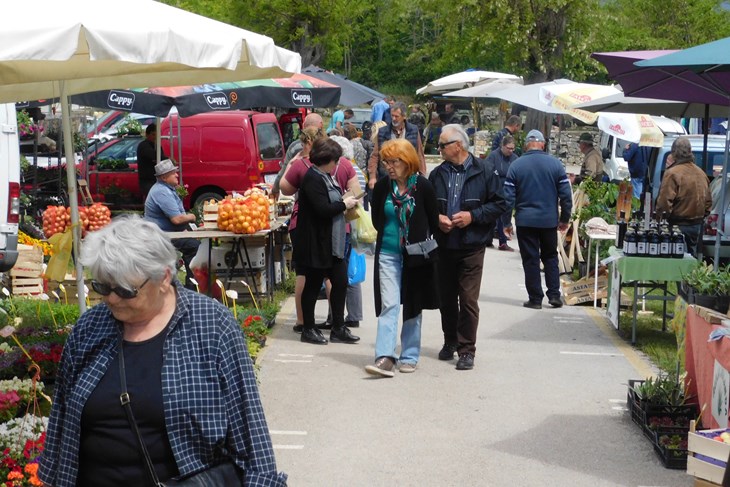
x,y
656,241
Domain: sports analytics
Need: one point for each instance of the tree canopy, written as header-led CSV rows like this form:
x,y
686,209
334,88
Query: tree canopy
x,y
399,45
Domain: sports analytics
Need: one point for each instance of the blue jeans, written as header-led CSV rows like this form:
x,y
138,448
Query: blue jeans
x,y
638,185
391,271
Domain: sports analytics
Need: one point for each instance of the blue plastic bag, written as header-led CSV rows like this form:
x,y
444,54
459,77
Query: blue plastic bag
x,y
355,268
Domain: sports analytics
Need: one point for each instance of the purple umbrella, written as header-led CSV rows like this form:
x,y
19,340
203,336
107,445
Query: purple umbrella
x,y
670,83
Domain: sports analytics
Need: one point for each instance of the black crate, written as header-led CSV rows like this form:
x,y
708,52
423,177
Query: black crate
x,y
634,404
666,417
674,458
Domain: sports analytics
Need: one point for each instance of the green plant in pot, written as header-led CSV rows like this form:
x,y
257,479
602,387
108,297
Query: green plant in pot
x,y
705,287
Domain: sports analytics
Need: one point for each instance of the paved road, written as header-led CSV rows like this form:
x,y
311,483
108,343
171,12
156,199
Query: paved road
x,y
544,405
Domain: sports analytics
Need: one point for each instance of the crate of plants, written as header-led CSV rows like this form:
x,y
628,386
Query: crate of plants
x,y
634,401
657,417
708,453
671,446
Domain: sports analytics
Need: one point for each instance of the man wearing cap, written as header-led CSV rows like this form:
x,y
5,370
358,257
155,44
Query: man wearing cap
x,y
165,208
470,201
535,183
592,162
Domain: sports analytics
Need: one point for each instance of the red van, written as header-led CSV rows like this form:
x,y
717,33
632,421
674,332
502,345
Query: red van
x,y
220,152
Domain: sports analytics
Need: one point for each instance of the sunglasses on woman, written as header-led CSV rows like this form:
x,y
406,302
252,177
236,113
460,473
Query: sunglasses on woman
x,y
122,292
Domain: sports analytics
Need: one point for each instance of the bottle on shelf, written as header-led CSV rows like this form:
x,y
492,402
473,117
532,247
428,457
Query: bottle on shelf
x,y
665,243
641,243
653,239
678,244
630,243
621,227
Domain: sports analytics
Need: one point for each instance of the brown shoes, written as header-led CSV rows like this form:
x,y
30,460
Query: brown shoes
x,y
383,367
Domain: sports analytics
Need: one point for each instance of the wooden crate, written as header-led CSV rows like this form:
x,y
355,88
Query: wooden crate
x,y
69,284
703,450
210,216
25,279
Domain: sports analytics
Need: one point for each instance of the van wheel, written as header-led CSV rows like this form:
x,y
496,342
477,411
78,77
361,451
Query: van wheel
x,y
207,197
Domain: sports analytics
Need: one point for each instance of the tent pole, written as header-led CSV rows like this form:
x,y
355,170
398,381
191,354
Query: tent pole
x,y
73,200
723,202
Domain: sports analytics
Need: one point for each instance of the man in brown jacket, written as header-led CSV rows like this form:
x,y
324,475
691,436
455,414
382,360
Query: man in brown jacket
x,y
684,196
593,161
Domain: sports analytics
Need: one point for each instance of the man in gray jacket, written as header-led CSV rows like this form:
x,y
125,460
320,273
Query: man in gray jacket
x,y
535,183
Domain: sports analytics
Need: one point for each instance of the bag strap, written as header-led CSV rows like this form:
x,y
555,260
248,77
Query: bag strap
x,y
125,400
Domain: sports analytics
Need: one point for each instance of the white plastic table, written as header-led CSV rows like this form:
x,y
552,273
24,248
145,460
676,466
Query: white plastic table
x,y
598,238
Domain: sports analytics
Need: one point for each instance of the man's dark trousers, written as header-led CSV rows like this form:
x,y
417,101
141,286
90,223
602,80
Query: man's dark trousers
x,y
460,279
538,244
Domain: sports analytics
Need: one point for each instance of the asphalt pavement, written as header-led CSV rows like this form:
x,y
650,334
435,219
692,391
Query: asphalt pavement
x,y
545,404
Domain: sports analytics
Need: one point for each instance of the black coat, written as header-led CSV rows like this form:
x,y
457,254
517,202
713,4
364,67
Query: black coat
x,y
419,285
313,237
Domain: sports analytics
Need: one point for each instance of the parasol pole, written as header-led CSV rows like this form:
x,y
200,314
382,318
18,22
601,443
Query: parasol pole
x,y
73,199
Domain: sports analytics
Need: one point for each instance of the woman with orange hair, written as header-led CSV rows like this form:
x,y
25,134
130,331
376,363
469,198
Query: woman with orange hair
x,y
404,211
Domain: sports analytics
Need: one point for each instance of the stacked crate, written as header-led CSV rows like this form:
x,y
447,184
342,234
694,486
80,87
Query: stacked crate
x,y
25,279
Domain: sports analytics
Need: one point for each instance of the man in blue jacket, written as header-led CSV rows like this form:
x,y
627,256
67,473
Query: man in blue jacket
x,y
501,159
536,183
470,200
637,159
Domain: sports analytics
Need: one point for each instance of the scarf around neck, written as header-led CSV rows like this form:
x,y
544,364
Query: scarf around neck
x,y
404,205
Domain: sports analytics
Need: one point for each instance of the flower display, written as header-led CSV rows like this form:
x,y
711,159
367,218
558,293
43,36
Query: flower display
x,y
21,442
26,126
181,190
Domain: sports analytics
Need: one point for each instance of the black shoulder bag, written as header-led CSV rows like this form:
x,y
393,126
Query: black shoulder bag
x,y
222,475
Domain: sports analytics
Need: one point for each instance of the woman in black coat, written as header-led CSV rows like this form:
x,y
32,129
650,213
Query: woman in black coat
x,y
405,211
319,242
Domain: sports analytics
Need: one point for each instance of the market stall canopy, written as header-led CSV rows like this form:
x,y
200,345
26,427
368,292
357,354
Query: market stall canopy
x,y
80,43
352,94
566,95
489,89
668,83
77,46
669,108
464,79
297,91
639,128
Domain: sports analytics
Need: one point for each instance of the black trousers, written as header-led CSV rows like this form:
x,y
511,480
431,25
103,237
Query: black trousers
x,y
188,247
460,281
539,244
338,278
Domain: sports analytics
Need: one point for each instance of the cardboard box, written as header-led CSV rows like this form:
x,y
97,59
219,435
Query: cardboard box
x,y
701,446
259,277
222,256
584,285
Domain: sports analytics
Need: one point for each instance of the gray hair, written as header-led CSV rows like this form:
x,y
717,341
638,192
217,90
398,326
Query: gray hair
x,y
347,151
127,251
682,150
399,105
457,130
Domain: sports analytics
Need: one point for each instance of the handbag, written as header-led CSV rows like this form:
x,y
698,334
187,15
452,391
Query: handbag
x,y
222,475
421,253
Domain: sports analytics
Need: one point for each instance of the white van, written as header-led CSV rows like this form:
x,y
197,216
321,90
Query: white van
x,y
9,186
612,149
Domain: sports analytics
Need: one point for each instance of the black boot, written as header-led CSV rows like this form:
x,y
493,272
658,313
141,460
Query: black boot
x,y
341,334
310,334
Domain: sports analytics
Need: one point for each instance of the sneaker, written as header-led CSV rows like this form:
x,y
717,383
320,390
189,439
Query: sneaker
x,y
506,247
407,368
466,362
532,305
383,367
343,335
447,352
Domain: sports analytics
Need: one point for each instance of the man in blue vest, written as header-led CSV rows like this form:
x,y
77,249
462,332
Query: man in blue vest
x,y
398,128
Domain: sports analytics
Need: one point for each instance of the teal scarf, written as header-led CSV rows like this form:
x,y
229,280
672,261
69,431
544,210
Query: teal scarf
x,y
404,205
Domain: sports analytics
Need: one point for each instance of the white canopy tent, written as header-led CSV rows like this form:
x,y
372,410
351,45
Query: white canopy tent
x,y
465,79
78,46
